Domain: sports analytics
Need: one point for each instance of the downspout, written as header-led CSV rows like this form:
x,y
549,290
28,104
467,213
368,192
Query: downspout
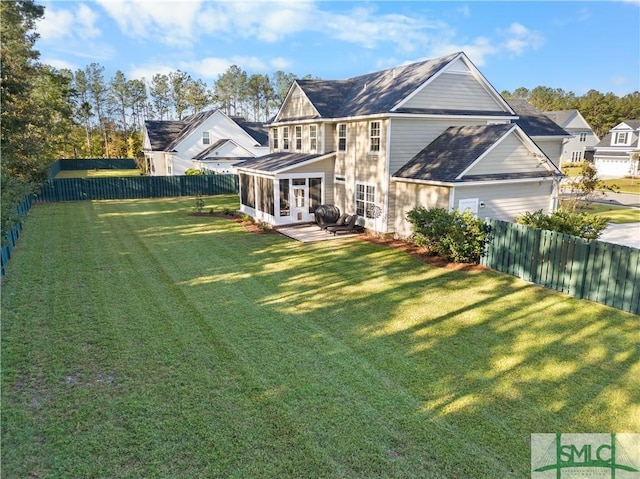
x,y
387,186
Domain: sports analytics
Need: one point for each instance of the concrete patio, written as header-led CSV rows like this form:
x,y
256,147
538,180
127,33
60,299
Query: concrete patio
x,y
309,232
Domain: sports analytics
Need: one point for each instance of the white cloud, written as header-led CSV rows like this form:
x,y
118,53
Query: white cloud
x,y
167,22
56,24
477,51
86,20
519,38
464,11
147,71
59,64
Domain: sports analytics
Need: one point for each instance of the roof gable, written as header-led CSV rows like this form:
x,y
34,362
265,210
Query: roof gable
x,y
279,162
458,149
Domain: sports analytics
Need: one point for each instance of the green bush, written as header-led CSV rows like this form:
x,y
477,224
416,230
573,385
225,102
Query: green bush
x,y
455,236
193,172
567,222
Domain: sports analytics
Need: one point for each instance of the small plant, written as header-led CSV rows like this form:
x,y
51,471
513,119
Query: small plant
x,y
210,211
245,217
264,226
228,211
199,204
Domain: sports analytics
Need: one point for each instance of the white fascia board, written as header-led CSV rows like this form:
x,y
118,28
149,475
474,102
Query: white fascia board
x,y
551,137
487,151
422,182
451,116
309,121
502,182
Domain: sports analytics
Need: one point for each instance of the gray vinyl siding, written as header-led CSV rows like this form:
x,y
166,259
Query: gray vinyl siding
x,y
324,166
410,136
509,156
409,195
551,148
328,135
507,201
454,91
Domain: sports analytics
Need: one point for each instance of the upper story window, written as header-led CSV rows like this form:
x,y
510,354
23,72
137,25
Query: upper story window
x,y
342,137
285,138
313,138
374,136
298,137
620,138
583,136
275,138
205,138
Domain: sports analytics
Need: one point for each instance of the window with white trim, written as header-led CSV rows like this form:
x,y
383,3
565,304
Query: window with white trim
x,y
374,136
298,137
275,138
621,138
583,136
576,156
206,139
365,199
342,137
285,138
313,138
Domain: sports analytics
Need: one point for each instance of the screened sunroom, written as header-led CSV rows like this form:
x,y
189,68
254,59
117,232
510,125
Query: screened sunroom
x,y
285,188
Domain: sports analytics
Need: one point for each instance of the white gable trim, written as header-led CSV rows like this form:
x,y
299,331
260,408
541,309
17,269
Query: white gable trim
x,y
472,70
474,183
294,85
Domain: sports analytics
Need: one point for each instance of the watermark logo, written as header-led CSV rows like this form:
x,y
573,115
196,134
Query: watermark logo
x,y
592,456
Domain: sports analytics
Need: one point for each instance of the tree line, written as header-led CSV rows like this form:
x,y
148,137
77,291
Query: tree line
x,y
602,111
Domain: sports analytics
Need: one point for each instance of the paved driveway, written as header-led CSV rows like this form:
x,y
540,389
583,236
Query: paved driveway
x,y
627,234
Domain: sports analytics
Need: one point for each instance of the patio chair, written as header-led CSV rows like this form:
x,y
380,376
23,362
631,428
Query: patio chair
x,y
339,222
350,226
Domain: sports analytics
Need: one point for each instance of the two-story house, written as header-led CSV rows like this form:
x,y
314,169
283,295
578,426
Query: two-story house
x,y
209,140
573,149
432,133
618,153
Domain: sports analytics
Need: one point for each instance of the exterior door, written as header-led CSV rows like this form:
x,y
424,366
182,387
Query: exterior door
x,y
299,201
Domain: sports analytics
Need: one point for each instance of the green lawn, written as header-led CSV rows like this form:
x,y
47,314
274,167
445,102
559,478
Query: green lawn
x,y
106,173
615,213
138,341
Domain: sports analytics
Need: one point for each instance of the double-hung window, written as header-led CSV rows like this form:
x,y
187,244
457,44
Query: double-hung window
x,y
365,200
205,138
342,137
374,136
285,138
313,138
583,136
621,138
298,137
275,138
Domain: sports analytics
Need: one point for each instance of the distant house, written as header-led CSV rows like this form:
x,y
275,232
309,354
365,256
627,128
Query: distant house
x,y
618,153
209,140
432,133
574,148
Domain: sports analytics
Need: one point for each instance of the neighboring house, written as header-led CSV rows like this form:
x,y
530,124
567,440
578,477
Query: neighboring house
x,y
208,140
617,154
433,133
583,138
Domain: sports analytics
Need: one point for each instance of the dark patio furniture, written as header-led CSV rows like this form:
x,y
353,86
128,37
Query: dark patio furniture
x,y
339,222
350,226
326,214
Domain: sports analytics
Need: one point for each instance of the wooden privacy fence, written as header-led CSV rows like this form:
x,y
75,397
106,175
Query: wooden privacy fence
x,y
74,189
586,269
13,234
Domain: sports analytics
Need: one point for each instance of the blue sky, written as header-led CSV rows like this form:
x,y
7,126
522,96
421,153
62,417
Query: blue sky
x,y
576,46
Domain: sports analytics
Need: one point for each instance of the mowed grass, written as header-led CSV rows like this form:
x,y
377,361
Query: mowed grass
x,y
105,173
615,214
138,341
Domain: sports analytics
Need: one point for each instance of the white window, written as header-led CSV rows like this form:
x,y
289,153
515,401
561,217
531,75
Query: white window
x,y
205,138
576,156
275,138
298,133
374,136
285,138
583,136
313,138
342,137
621,138
365,200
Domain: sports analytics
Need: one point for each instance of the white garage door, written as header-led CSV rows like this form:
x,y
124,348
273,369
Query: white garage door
x,y
612,167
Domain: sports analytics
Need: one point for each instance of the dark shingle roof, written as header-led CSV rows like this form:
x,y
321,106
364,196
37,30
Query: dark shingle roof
x,y
162,133
534,122
561,117
606,141
256,130
278,161
452,152
373,93
204,153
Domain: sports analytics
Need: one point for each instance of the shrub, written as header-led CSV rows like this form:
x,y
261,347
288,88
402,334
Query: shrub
x,y
199,204
455,236
193,172
567,222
